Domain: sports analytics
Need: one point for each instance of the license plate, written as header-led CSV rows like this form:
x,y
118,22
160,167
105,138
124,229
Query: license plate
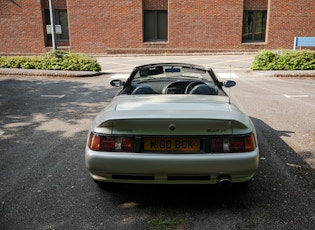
x,y
172,144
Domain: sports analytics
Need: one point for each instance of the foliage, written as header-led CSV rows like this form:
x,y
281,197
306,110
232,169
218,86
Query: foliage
x,y
284,60
161,217
54,60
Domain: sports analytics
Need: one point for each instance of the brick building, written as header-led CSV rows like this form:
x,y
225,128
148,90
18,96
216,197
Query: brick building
x,y
155,26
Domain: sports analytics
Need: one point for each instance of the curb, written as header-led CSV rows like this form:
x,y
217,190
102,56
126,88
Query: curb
x,y
52,73
63,73
286,73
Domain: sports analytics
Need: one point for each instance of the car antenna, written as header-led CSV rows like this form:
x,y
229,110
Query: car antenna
x,y
229,87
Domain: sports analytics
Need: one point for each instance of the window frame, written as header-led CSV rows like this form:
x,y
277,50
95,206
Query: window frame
x,y
253,29
57,12
156,37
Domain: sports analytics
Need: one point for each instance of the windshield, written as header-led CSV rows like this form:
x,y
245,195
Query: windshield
x,y
163,72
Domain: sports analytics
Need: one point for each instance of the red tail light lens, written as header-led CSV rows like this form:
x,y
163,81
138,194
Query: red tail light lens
x,y
127,144
233,144
217,145
108,144
236,145
111,144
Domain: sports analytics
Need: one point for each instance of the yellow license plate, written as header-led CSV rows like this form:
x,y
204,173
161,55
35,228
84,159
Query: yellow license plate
x,y
172,144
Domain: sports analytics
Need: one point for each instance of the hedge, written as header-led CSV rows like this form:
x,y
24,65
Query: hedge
x,y
284,60
54,60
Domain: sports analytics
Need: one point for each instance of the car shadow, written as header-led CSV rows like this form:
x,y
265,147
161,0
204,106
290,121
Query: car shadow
x,y
280,166
176,195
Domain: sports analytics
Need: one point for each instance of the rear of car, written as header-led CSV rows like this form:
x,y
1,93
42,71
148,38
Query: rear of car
x,y
172,140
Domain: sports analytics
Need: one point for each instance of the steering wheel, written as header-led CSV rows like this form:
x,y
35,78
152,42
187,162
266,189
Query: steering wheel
x,y
191,85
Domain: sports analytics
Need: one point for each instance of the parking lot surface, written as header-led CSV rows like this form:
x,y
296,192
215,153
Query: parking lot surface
x,y
44,183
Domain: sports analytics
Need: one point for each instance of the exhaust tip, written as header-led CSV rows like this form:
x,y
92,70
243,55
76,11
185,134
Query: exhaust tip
x,y
224,181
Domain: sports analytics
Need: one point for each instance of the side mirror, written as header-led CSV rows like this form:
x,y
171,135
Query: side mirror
x,y
116,83
229,84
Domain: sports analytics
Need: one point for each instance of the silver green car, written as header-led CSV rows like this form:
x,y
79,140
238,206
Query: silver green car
x,y
172,123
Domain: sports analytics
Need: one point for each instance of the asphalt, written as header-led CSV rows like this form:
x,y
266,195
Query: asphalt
x,y
61,73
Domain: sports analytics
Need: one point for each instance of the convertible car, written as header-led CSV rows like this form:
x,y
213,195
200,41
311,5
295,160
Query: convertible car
x,y
172,123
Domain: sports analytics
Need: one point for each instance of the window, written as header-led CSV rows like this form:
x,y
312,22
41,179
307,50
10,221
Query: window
x,y
61,18
155,25
254,26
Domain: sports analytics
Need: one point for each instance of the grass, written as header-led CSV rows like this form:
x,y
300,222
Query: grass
x,y
163,218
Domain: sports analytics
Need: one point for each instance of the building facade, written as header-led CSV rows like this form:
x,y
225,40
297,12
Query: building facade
x,y
154,26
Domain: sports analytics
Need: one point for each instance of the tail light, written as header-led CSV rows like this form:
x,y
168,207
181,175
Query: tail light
x,y
233,144
111,143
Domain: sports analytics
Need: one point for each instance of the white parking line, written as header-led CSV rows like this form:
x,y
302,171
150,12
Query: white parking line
x,y
119,76
54,96
227,75
293,96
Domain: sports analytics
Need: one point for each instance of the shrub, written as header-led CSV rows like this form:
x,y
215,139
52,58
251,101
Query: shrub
x,y
54,60
284,60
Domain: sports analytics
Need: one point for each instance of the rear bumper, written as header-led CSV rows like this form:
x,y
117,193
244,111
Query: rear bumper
x,y
170,168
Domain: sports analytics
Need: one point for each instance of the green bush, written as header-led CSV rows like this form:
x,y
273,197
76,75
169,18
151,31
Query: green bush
x,y
284,60
54,60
